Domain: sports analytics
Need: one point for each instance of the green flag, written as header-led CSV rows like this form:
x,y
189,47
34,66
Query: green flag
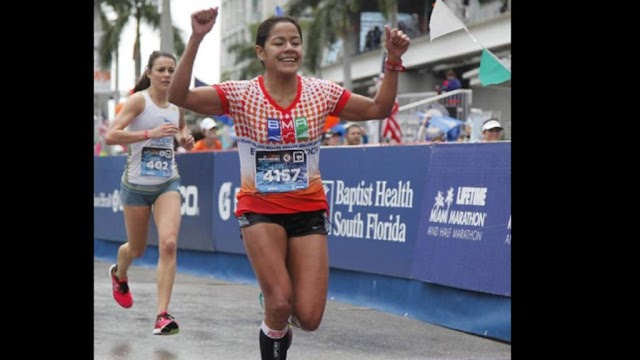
x,y
491,70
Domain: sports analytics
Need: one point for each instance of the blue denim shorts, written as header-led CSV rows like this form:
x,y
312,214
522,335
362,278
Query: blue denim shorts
x,y
146,195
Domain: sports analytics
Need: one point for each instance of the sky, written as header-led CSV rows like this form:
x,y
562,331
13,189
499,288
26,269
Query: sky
x,y
207,64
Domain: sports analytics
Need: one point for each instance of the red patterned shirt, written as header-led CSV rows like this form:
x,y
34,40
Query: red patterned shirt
x,y
279,148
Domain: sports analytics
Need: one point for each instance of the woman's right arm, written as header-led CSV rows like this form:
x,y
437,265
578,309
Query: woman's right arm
x,y
133,106
203,100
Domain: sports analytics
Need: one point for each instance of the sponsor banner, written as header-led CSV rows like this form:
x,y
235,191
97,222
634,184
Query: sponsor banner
x,y
107,211
464,237
374,195
226,184
373,206
440,214
196,177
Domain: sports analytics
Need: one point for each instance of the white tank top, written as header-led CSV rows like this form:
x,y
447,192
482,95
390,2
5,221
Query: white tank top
x,y
152,162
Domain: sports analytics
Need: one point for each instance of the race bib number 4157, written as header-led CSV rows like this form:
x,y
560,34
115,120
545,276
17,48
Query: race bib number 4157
x,y
281,171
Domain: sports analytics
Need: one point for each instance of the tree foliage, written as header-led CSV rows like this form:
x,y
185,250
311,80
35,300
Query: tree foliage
x,y
140,11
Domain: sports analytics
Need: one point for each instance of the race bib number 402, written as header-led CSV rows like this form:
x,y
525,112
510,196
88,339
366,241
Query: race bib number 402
x,y
156,162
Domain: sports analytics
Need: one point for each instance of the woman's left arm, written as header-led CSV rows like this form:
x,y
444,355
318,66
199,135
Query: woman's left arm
x,y
360,108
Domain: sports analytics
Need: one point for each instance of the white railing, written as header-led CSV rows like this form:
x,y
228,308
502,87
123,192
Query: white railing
x,y
457,103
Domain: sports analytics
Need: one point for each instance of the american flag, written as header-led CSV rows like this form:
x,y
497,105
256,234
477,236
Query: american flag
x,y
390,127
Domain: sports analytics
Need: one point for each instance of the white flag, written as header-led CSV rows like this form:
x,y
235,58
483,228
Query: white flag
x,y
443,21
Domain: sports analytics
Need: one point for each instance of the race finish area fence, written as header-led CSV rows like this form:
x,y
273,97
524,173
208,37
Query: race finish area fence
x,y
420,230
455,104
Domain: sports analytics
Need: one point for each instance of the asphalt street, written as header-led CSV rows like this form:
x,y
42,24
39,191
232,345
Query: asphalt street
x,y
221,320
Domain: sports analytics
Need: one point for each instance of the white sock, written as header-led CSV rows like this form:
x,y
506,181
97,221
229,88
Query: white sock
x,y
274,334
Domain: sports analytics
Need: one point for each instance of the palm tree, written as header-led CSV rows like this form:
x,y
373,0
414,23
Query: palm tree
x,y
245,54
333,20
125,10
166,31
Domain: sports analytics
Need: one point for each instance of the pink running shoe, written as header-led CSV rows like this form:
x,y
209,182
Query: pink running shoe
x,y
120,289
166,325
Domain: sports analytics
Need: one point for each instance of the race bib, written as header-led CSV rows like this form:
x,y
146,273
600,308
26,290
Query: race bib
x,y
281,171
156,162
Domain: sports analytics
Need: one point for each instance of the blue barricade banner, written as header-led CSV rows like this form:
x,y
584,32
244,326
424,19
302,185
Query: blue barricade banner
x,y
436,213
226,184
196,179
374,196
464,237
108,221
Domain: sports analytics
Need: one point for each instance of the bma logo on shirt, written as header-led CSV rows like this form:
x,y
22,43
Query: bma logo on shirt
x,y
287,130
302,128
273,130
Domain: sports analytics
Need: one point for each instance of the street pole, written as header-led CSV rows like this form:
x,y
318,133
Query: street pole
x,y
166,28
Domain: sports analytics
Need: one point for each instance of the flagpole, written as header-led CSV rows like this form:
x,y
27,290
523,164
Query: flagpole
x,y
380,77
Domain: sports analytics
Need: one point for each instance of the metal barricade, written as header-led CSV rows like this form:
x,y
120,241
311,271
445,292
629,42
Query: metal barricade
x,y
457,103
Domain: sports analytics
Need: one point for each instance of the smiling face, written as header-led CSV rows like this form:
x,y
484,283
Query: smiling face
x,y
282,49
161,72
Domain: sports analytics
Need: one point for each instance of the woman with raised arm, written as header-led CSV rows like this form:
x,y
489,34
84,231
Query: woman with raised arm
x,y
282,208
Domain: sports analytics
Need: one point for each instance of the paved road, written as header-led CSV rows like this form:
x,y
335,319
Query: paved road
x,y
220,320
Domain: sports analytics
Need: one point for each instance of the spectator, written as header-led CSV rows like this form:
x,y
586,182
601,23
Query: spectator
x,y
197,134
424,125
404,27
465,133
450,83
491,130
377,37
353,134
210,142
335,138
368,42
434,135
325,138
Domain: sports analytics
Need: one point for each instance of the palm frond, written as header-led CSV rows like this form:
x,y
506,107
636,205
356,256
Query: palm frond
x,y
110,40
178,43
150,14
296,8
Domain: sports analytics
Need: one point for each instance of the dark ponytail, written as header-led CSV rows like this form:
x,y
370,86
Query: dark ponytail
x,y
144,82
